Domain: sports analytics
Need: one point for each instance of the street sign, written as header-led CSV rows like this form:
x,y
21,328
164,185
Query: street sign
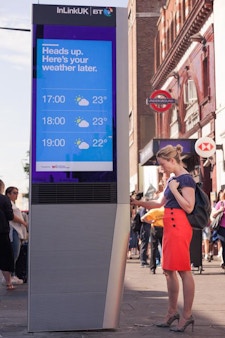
x,y
160,101
205,147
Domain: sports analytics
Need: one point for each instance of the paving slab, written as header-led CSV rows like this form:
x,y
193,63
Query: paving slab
x,y
144,303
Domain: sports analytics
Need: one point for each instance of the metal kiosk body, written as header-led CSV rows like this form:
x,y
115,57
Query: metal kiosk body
x,y
79,199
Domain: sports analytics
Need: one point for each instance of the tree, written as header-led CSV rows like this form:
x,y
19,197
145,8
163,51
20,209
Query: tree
x,y
26,164
26,168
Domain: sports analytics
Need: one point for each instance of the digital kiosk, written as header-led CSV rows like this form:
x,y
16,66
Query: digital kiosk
x,y
79,198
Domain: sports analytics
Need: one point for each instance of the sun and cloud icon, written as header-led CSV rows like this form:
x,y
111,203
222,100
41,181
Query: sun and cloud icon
x,y
81,144
81,122
81,101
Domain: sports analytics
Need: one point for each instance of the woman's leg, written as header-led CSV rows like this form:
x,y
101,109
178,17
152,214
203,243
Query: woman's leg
x,y
223,254
153,246
173,291
206,248
7,276
16,244
188,294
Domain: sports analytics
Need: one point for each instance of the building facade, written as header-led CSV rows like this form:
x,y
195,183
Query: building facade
x,y
219,29
185,67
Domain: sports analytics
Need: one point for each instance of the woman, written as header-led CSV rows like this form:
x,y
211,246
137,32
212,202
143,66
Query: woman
x,y
218,208
17,229
6,252
178,199
214,235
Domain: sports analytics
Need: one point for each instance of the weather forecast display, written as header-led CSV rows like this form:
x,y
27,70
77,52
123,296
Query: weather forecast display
x,y
74,127
74,108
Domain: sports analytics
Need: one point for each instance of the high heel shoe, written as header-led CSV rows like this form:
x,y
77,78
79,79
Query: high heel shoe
x,y
170,320
189,321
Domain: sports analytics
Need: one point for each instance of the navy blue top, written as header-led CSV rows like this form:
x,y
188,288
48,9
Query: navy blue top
x,y
185,180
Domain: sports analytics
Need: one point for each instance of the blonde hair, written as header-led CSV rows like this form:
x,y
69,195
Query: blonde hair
x,y
169,152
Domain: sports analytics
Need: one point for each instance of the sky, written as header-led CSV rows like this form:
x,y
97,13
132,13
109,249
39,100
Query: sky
x,y
15,85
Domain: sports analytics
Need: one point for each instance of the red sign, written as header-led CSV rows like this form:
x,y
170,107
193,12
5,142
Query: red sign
x,y
161,100
205,146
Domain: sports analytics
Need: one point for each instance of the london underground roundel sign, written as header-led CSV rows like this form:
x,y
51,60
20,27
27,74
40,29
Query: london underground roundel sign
x,y
205,147
161,100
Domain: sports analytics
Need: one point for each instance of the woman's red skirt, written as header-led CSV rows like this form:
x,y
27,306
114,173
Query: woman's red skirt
x,y
177,236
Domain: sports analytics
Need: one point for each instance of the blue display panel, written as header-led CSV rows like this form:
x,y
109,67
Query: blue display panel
x,y
74,105
74,101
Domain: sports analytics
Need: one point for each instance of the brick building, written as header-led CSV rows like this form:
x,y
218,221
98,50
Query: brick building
x,y
185,67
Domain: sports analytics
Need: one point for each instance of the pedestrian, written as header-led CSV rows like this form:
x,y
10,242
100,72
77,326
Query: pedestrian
x,y
17,229
133,239
220,208
6,252
144,240
214,236
155,218
206,241
178,199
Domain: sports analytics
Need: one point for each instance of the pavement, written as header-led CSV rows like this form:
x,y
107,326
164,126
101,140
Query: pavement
x,y
144,303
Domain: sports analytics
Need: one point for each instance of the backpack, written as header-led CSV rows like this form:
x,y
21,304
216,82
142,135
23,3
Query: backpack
x,y
200,216
136,223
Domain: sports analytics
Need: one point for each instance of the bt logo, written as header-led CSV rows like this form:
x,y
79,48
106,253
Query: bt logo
x,y
108,11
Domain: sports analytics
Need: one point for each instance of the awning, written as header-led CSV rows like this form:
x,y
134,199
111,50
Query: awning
x,y
148,153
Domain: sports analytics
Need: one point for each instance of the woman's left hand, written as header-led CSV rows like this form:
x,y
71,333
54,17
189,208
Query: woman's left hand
x,y
173,185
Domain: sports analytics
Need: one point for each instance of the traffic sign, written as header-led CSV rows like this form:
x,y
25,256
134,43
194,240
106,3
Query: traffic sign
x,y
161,100
205,147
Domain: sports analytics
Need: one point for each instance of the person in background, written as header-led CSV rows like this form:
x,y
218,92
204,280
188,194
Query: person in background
x,y
144,235
6,252
155,218
144,241
206,237
214,235
218,208
17,230
133,239
178,199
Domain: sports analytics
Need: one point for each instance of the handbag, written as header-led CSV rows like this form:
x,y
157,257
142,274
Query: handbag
x,y
155,217
216,222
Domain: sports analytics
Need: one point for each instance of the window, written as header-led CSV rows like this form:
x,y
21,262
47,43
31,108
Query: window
x,y
192,116
205,77
172,32
157,51
190,92
174,124
183,11
192,107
